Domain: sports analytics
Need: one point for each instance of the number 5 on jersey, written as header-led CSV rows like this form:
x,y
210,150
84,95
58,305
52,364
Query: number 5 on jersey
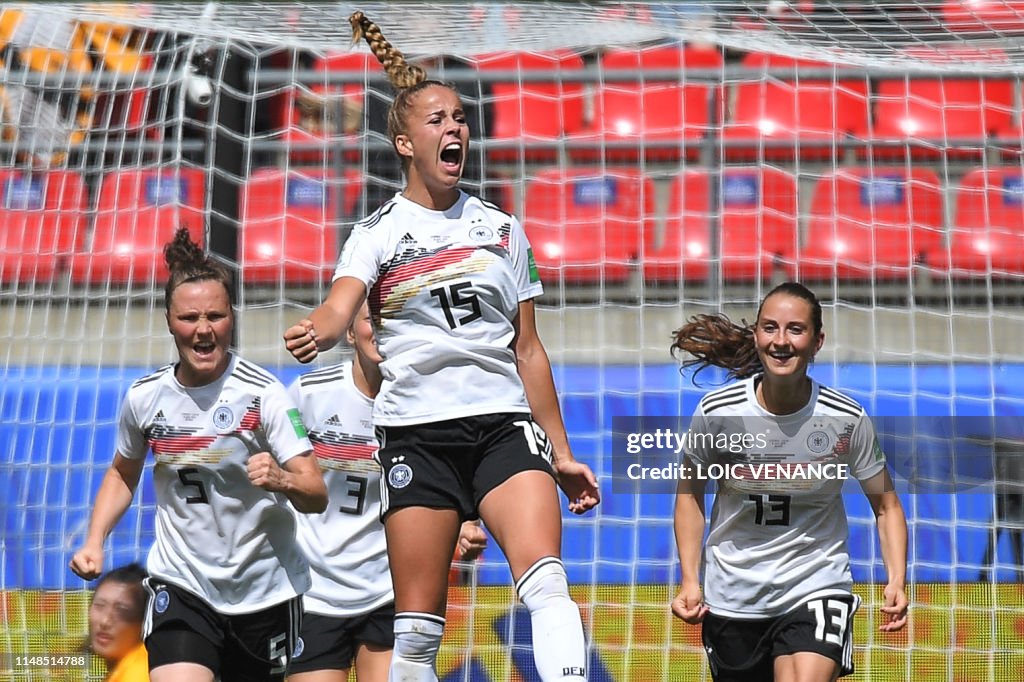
x,y
189,477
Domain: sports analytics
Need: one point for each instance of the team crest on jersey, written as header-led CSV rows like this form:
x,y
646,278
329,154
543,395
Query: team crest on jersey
x,y
818,442
300,646
162,601
481,234
223,417
400,474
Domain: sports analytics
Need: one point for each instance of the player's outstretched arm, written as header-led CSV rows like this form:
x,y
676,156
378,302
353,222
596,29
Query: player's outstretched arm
x,y
327,324
892,535
689,531
300,480
112,501
575,478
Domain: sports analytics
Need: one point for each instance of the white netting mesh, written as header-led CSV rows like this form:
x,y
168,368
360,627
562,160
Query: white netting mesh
x,y
844,32
666,159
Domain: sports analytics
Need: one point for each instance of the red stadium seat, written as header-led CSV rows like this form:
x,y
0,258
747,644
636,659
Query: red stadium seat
x,y
137,212
652,116
585,225
774,118
321,118
42,222
950,115
534,112
871,224
1010,139
289,231
987,237
757,226
984,16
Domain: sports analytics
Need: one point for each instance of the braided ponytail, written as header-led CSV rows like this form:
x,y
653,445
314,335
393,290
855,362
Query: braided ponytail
x,y
408,79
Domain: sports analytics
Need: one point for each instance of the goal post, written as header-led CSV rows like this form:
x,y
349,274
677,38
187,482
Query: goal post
x,y
665,159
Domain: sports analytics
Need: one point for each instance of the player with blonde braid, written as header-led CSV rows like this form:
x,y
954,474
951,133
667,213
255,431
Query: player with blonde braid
x,y
467,415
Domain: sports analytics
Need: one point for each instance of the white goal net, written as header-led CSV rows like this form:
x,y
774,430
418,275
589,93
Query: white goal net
x,y
666,159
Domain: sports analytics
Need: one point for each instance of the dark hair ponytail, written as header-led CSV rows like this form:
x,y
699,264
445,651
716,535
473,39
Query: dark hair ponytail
x,y
186,262
715,340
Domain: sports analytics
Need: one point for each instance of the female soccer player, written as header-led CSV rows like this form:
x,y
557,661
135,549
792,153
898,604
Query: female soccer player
x,y
777,601
230,449
349,610
115,624
451,287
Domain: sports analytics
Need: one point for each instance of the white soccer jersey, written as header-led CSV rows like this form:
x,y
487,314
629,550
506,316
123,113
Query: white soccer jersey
x,y
774,542
345,545
217,535
443,288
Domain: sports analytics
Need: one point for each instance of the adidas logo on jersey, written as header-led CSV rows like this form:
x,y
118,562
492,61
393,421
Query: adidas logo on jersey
x,y
407,240
333,420
159,417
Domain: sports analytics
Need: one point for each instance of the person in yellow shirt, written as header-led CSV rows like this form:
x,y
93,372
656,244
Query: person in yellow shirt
x,y
115,624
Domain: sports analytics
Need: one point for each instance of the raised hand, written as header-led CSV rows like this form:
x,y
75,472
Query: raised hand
x,y
300,340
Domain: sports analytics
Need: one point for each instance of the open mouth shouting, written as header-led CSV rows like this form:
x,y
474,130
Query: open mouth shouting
x,y
204,349
451,158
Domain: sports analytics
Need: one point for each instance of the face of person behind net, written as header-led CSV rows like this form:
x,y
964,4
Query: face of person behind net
x,y
201,321
115,627
436,139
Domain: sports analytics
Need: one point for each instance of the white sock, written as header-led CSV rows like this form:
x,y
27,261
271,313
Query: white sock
x,y
417,640
559,649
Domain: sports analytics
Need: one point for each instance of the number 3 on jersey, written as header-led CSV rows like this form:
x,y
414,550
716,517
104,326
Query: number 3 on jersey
x,y
452,296
356,495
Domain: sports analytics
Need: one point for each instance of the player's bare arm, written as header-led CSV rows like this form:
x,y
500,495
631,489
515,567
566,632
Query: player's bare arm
x,y
574,477
689,531
327,324
892,534
299,480
113,499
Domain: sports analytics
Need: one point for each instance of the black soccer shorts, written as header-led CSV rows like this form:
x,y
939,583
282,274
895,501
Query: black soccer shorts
x,y
744,650
328,643
180,627
453,464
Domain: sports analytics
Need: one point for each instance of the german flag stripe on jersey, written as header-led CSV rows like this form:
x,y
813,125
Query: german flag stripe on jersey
x,y
171,445
251,419
332,455
401,283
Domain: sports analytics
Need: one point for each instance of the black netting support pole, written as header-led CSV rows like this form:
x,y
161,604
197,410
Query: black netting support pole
x,y
227,157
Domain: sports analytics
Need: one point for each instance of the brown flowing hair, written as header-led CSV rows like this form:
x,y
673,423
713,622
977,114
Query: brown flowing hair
x,y
715,340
